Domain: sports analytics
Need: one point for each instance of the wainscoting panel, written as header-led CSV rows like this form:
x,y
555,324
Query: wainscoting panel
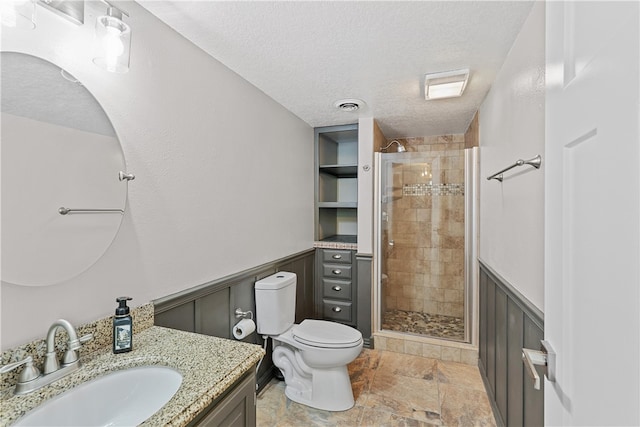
x,y
515,407
212,314
509,322
533,399
490,336
209,308
303,267
501,350
364,275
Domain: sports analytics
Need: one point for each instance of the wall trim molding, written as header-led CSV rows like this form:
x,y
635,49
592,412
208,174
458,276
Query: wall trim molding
x,y
535,313
176,299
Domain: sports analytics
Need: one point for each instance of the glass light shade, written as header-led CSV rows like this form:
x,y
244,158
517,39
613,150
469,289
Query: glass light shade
x,y
18,13
113,43
445,90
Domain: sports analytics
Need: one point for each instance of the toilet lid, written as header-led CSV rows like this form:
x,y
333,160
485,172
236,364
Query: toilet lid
x,y
320,333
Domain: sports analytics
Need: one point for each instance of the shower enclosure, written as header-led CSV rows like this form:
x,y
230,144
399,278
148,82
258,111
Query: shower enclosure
x,y
421,251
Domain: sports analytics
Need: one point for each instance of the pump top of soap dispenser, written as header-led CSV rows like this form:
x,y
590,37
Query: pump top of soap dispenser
x,y
122,309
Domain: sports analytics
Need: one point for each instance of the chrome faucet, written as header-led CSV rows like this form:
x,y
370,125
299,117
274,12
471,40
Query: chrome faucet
x,y
30,379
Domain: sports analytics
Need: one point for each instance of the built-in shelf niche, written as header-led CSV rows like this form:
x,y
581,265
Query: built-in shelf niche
x,y
336,181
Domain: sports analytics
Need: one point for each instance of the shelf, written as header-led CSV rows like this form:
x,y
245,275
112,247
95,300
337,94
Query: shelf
x,y
337,205
340,171
336,181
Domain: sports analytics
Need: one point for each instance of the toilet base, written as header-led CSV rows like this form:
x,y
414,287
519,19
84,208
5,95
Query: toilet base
x,y
330,390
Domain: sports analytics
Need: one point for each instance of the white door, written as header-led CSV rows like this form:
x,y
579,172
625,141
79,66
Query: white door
x,y
592,212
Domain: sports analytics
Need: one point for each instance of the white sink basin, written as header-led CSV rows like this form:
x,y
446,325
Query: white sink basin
x,y
121,398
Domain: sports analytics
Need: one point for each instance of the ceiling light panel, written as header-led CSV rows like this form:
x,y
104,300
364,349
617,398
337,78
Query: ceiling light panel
x,y
448,84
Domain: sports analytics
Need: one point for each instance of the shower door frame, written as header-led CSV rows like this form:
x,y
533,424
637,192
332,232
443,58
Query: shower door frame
x,y
471,266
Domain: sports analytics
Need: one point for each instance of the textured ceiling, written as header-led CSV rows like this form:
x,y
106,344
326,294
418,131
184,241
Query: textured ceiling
x,y
307,55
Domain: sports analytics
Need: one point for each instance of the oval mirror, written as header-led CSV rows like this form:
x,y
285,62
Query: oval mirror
x,y
59,150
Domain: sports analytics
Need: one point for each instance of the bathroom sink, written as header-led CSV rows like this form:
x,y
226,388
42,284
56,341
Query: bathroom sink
x,y
121,398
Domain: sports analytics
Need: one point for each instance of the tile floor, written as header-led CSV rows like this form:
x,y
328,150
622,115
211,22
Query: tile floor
x,y
391,389
431,325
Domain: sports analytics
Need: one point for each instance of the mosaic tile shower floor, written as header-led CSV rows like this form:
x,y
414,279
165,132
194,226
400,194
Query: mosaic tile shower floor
x,y
432,325
391,389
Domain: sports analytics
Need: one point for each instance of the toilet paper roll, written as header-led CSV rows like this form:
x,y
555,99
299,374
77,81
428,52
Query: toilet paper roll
x,y
243,328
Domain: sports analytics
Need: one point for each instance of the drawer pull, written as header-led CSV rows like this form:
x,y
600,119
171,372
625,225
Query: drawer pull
x,y
337,256
336,271
336,309
337,288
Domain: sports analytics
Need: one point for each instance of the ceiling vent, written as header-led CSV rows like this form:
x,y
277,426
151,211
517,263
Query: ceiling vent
x,y
348,105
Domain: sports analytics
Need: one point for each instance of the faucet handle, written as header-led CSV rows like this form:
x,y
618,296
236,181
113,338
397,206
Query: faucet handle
x,y
71,355
76,344
29,373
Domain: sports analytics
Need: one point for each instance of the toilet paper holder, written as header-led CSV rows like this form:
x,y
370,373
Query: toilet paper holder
x,y
243,314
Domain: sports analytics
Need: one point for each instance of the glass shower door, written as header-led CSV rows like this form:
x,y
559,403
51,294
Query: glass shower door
x,y
421,246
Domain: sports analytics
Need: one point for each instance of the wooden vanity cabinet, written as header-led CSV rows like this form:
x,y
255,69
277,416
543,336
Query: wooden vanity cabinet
x,y
236,408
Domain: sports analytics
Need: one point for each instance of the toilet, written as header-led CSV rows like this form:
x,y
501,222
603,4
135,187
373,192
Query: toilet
x,y
313,355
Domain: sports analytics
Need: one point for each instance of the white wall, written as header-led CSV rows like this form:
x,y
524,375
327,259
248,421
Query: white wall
x,y
224,174
35,186
511,128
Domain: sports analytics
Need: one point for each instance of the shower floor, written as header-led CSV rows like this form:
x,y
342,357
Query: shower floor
x,y
432,325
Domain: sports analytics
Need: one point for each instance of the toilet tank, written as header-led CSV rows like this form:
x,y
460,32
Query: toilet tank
x,y
275,303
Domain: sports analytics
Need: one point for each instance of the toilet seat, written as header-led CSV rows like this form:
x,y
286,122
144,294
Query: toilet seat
x,y
320,333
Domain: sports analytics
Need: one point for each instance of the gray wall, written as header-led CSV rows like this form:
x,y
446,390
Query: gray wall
x,y
224,174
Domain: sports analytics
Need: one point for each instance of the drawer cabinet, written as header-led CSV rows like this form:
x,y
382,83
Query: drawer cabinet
x,y
335,290
336,271
336,255
338,311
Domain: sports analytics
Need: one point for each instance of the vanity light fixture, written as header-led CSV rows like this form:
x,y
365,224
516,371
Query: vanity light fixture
x,y
18,13
113,40
73,10
22,13
448,84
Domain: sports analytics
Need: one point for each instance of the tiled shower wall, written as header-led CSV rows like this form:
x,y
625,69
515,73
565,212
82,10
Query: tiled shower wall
x,y
425,264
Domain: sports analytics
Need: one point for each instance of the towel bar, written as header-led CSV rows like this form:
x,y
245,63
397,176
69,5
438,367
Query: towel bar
x,y
66,211
535,162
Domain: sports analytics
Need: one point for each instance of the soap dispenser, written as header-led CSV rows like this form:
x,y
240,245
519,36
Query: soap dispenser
x,y
122,327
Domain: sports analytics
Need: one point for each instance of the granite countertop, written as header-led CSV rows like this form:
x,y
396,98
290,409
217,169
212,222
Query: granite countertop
x,y
339,241
209,365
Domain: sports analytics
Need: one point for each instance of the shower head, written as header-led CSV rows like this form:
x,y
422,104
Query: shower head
x,y
401,148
